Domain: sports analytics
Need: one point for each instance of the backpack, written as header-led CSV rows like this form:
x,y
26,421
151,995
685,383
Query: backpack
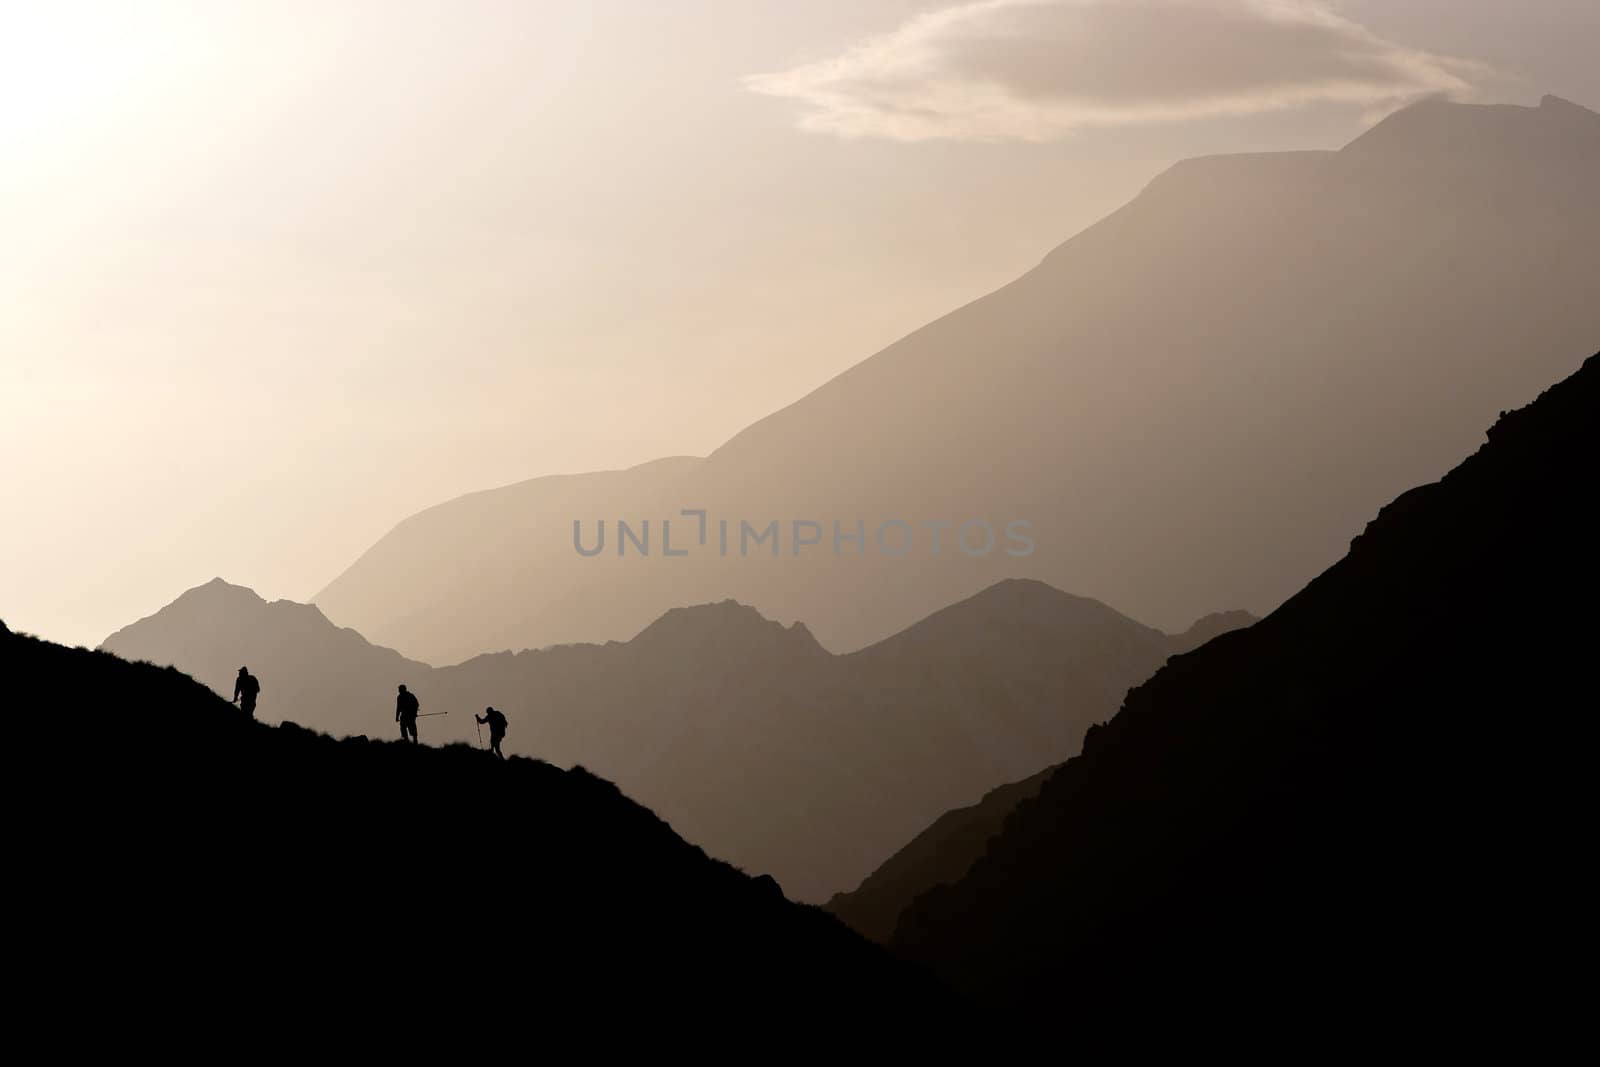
x,y
251,687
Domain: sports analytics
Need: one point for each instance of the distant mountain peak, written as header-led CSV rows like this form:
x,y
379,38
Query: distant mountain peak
x,y
1017,601
300,654
222,596
1437,127
1218,622
221,587
726,621
1558,103
214,599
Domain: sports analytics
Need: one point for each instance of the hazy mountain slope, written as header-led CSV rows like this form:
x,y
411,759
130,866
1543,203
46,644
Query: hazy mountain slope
x,y
449,571
947,849
1192,401
747,735
375,884
1364,811
942,853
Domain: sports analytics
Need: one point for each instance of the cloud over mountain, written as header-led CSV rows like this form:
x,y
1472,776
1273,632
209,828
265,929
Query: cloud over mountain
x,y
1036,70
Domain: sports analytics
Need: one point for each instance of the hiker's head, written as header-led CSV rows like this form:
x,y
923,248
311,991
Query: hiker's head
x,y
488,711
402,689
244,670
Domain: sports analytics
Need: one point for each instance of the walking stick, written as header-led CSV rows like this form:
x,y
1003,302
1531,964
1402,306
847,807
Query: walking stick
x,y
480,731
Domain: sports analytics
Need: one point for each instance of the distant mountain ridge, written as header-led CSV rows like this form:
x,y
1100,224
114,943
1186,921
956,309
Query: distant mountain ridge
x,y
745,734
1191,401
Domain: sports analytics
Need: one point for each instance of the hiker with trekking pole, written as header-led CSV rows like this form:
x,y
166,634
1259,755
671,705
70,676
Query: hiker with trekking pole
x,y
497,729
407,710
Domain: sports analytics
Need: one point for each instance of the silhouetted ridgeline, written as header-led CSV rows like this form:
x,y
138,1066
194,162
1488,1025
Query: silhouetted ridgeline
x,y
1372,806
947,849
173,861
749,737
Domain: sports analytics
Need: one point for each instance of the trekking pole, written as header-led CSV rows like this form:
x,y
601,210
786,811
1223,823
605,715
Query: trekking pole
x,y
480,731
431,714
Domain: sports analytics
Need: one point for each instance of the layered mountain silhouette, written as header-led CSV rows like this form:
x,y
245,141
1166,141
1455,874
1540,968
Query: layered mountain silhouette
x,y
1368,810
746,735
941,854
1191,402
191,864
947,850
314,672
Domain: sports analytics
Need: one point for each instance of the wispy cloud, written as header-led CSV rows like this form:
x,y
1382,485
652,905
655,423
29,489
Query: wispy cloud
x,y
1036,70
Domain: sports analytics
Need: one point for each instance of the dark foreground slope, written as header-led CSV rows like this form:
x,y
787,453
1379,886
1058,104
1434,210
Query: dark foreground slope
x,y
279,874
1370,805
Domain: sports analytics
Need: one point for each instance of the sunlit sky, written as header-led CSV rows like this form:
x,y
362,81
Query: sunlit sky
x,y
275,275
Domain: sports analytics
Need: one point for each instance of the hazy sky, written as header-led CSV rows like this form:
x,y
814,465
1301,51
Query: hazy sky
x,y
275,275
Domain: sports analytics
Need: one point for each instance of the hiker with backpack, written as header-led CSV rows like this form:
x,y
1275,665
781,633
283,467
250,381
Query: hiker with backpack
x,y
245,688
406,707
497,729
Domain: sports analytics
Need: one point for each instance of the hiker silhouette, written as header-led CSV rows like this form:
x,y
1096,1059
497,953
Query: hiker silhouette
x,y
497,729
405,713
245,688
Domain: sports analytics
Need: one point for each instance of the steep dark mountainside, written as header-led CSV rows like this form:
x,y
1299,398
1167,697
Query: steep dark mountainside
x,y
1367,809
941,854
1192,401
1213,625
748,736
947,849
198,868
